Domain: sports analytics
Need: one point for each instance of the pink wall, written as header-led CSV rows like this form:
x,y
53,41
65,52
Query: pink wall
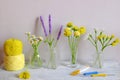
x,y
19,16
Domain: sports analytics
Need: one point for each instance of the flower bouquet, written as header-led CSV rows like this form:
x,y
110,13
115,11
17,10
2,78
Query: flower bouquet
x,y
101,41
35,43
73,33
51,42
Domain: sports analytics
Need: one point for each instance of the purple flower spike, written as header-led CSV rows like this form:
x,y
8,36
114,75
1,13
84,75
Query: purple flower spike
x,y
50,27
43,25
59,32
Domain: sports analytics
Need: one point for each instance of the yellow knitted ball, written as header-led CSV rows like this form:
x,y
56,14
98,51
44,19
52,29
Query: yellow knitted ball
x,y
13,47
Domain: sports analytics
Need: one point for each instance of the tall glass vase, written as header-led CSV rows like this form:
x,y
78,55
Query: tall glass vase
x,y
73,57
52,58
98,59
35,60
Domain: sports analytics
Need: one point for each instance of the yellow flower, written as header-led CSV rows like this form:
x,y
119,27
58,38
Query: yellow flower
x,y
76,33
70,24
82,30
115,42
99,37
13,47
24,75
112,36
67,29
108,37
68,33
75,28
102,36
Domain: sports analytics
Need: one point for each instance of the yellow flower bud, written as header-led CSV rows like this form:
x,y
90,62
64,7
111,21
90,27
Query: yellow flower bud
x,y
76,33
70,24
82,30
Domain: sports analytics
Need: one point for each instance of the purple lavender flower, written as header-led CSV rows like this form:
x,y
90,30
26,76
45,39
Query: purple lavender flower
x,y
50,27
59,32
43,25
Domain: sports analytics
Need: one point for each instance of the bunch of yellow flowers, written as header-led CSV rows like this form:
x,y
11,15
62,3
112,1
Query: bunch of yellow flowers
x,y
13,47
73,33
72,30
105,40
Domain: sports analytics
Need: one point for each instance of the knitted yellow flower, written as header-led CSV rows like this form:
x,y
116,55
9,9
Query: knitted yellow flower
x,y
77,34
70,24
67,32
82,30
13,47
24,75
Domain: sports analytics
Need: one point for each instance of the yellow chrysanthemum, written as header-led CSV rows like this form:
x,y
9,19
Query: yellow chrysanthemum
x,y
24,75
13,47
82,30
76,33
70,24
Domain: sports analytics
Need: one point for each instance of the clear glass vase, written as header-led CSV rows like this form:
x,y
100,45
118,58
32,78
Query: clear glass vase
x,y
73,58
98,59
35,60
52,58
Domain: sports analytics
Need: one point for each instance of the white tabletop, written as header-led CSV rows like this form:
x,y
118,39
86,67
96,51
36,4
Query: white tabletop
x,y
62,73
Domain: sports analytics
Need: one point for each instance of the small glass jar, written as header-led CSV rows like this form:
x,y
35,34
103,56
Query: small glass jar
x,y
35,59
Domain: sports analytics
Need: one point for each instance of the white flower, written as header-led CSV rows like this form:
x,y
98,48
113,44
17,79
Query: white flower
x,y
31,41
40,38
33,36
28,33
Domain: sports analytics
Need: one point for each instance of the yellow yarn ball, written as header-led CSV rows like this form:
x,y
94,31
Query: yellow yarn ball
x,y
13,47
13,63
